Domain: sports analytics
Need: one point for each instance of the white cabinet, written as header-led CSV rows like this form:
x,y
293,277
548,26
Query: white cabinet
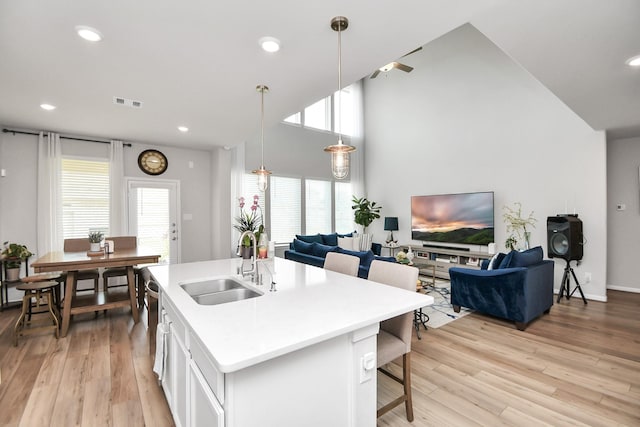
x,y
204,407
190,395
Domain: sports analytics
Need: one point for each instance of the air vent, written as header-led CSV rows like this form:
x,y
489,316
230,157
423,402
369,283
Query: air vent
x,y
127,102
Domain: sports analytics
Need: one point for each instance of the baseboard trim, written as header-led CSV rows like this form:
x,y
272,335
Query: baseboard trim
x,y
591,297
624,289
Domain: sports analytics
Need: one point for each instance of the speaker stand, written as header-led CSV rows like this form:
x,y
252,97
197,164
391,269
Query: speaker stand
x,y
566,283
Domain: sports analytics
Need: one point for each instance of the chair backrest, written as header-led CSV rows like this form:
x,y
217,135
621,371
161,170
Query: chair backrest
x,y
77,244
342,263
401,276
123,242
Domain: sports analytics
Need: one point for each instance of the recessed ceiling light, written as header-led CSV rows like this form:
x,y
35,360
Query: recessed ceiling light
x,y
183,129
634,62
47,107
269,44
88,33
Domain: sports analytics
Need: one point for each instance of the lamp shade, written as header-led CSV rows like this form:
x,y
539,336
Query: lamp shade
x,y
391,223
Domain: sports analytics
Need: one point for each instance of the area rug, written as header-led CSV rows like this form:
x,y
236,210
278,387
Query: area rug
x,y
441,312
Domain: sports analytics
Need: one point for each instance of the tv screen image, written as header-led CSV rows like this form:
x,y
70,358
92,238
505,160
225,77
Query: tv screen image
x,y
465,218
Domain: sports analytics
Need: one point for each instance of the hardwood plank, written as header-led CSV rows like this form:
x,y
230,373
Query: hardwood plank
x,y
578,365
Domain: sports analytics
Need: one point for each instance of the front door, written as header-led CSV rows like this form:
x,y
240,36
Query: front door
x,y
153,212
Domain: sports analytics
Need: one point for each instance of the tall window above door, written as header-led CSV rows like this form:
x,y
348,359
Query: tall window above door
x,y
85,197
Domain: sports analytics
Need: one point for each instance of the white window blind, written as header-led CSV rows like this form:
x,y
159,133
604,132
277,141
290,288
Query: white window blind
x,y
344,213
286,208
318,206
85,197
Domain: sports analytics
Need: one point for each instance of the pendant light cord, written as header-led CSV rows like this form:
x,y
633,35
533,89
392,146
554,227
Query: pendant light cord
x,y
262,129
339,118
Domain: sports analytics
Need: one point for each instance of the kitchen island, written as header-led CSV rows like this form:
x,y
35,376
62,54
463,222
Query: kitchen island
x,y
302,355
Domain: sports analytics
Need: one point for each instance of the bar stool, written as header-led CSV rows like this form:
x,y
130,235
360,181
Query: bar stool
x,y
37,290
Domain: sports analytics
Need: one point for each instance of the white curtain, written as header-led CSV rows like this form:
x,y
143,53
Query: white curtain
x,y
117,202
237,175
357,140
49,202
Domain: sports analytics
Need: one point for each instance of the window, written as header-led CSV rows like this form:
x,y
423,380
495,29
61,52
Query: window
x,y
286,208
346,123
318,115
294,119
250,187
85,197
318,206
343,211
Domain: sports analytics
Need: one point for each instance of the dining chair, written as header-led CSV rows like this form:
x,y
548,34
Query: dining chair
x,y
394,338
81,245
119,243
342,263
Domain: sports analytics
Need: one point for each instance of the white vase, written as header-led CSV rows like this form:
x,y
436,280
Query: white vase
x,y
365,241
94,247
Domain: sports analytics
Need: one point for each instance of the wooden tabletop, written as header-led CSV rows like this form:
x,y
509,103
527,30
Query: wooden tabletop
x,y
72,261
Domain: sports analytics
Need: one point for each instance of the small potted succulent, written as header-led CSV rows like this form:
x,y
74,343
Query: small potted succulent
x,y
14,254
95,237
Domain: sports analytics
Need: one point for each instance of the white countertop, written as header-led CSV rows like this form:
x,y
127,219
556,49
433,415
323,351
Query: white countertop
x,y
310,305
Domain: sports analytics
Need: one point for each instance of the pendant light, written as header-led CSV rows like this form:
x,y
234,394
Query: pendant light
x,y
263,174
340,151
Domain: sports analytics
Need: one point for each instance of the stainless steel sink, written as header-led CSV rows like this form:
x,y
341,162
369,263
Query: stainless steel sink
x,y
218,291
226,296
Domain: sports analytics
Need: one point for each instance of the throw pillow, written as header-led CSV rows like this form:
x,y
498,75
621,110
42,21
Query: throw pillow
x,y
345,243
346,235
321,250
311,238
330,239
527,258
385,258
365,256
506,261
302,247
494,264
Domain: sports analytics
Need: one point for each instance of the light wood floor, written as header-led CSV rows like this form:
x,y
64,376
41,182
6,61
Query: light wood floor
x,y
579,365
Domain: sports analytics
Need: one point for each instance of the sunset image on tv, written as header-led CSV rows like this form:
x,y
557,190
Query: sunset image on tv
x,y
453,218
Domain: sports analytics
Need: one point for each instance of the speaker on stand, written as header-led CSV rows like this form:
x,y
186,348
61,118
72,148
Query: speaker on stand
x,y
565,240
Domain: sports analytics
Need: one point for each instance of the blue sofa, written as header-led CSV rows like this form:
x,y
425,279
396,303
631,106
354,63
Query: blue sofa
x,y
517,287
313,249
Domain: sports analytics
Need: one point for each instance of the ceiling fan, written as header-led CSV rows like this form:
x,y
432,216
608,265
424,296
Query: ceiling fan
x,y
395,64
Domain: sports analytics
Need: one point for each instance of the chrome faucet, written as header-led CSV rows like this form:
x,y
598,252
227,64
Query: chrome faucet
x,y
253,270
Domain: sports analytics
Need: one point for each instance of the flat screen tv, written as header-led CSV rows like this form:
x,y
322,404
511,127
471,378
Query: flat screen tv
x,y
465,218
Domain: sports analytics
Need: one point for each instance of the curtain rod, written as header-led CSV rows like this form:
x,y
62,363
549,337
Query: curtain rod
x,y
62,137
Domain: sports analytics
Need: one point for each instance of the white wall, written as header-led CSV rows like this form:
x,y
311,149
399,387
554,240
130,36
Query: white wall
x,y
623,226
470,119
18,155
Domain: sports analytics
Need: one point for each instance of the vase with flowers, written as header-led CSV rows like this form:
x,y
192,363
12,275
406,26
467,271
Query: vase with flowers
x,y
249,221
517,226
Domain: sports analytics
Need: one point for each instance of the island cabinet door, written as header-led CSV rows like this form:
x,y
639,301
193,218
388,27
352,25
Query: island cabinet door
x,y
176,376
204,407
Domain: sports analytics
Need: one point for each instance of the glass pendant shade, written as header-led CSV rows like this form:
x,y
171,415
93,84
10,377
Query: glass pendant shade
x,y
340,159
263,178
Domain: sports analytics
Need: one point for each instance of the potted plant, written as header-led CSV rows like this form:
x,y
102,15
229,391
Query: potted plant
x,y
249,222
364,213
14,254
517,226
95,237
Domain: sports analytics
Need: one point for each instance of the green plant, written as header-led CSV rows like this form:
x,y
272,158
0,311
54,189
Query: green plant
x,y
95,236
516,225
249,221
365,212
15,254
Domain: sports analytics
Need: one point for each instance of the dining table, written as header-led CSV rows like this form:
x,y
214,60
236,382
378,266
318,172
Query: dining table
x,y
72,262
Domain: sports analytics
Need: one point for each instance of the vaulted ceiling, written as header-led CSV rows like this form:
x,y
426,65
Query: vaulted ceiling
x,y
196,63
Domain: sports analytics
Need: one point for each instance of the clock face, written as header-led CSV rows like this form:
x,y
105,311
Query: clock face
x,y
152,162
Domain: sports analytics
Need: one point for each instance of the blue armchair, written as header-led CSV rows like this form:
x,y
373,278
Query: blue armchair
x,y
518,288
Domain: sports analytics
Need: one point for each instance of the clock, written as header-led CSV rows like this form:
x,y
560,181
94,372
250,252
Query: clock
x,y
152,162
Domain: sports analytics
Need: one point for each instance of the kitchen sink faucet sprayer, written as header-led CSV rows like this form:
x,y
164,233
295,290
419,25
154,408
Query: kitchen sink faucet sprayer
x,y
253,239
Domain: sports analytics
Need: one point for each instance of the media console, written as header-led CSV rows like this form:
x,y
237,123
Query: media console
x,y
436,261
